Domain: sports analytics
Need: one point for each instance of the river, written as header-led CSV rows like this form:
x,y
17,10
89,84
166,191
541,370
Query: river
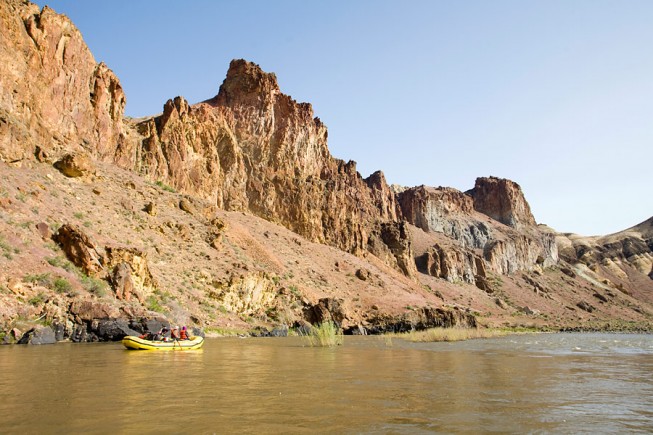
x,y
544,383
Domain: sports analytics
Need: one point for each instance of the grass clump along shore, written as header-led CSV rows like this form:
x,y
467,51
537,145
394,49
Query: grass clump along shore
x,y
452,334
326,334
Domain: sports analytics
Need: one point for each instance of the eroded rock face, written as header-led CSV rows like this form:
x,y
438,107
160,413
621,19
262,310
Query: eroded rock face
x,y
253,148
79,249
502,200
247,295
53,93
420,319
130,274
478,243
452,264
624,260
521,252
444,210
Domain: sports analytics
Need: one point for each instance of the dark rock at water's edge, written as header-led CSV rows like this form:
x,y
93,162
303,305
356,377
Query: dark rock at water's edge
x,y
38,335
277,331
421,319
114,330
94,330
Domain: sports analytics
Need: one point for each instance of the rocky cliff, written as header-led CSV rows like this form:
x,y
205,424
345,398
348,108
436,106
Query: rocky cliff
x,y
253,148
232,213
502,200
53,95
488,229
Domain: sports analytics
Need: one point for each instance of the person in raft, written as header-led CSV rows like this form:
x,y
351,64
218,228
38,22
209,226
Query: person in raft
x,y
175,333
184,334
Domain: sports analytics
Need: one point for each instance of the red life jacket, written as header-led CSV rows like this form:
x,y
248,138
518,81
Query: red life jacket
x,y
184,335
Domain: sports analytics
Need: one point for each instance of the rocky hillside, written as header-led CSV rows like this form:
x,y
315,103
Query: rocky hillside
x,y
232,215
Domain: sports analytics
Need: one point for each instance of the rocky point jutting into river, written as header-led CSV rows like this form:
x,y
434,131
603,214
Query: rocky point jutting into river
x,y
232,215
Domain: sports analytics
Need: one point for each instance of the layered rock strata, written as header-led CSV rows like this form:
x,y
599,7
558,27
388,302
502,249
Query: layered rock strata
x,y
490,228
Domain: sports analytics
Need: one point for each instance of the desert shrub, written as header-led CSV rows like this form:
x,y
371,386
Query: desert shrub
x,y
43,279
326,334
6,248
165,186
37,300
61,285
61,262
153,304
94,286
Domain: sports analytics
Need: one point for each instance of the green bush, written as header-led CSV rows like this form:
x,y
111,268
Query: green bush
x,y
165,186
61,262
37,300
61,285
153,304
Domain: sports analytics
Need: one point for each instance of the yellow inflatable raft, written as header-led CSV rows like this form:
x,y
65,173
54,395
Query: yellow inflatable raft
x,y
136,343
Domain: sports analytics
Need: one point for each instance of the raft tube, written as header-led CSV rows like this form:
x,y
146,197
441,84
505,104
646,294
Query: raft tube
x,y
136,343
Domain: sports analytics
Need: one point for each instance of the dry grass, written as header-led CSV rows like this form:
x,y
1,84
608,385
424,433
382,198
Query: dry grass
x,y
325,334
452,334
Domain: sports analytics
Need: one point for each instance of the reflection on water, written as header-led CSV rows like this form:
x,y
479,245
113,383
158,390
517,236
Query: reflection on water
x,y
537,383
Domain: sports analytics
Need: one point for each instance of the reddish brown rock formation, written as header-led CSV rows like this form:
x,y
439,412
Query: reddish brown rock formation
x,y
253,148
54,95
79,248
502,200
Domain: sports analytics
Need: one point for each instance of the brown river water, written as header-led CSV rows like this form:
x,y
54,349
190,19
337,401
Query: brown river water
x,y
545,383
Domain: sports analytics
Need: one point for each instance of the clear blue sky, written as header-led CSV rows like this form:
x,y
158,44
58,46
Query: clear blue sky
x,y
556,95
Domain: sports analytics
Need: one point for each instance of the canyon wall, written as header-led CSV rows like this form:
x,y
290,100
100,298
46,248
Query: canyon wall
x,y
489,229
253,148
54,96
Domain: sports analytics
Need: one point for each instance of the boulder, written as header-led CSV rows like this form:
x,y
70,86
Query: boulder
x,y
12,336
113,329
187,206
59,330
150,208
79,249
362,274
38,335
44,230
88,310
130,273
585,306
75,165
327,310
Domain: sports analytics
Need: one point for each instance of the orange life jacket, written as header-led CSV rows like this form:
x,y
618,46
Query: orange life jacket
x,y
184,334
